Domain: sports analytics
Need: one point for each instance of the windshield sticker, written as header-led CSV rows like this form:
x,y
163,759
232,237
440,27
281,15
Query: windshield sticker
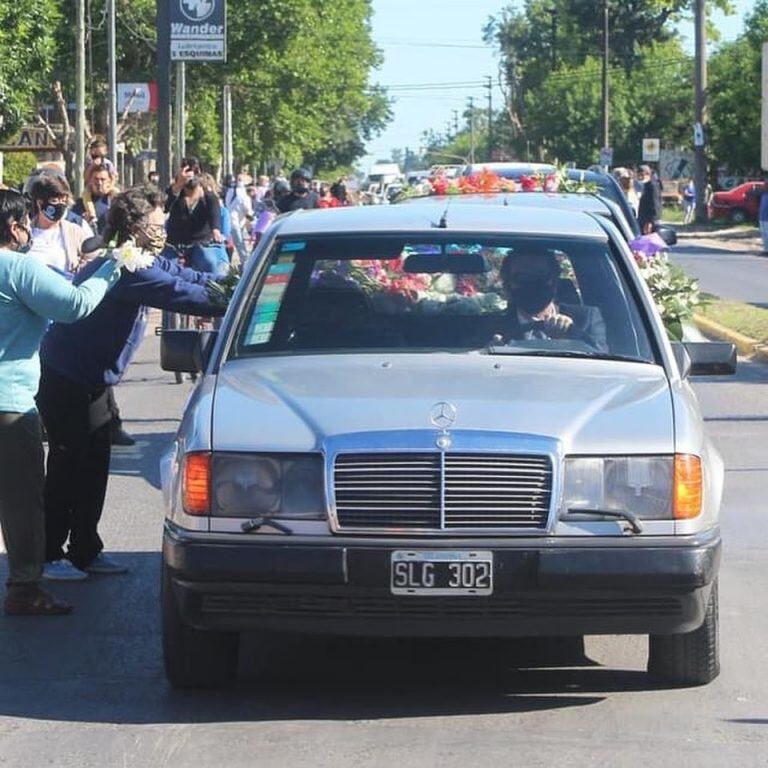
x,y
268,305
292,247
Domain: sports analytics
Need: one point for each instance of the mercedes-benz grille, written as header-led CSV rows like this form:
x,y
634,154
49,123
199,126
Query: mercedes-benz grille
x,y
442,491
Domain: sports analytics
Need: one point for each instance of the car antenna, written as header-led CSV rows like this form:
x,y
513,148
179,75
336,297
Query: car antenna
x,y
443,223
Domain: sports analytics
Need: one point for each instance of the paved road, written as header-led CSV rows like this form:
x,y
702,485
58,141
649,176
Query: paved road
x,y
729,270
88,690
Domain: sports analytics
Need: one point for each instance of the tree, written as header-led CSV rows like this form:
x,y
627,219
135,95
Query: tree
x,y
531,54
28,31
734,92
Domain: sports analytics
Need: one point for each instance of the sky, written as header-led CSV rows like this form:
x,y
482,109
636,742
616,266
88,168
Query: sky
x,y
437,45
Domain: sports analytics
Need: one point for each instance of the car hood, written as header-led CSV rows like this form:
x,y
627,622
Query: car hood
x,y
295,403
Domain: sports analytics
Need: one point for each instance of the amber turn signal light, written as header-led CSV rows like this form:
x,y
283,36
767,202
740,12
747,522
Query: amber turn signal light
x,y
196,484
688,486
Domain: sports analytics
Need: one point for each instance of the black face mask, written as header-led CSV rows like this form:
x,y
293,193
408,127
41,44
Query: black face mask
x,y
533,295
54,211
300,188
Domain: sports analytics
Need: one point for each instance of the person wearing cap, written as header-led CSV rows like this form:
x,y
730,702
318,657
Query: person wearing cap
x,y
649,206
301,194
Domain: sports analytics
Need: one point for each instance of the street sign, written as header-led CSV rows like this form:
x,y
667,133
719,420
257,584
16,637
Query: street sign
x,y
606,157
764,153
198,30
31,138
698,135
651,150
145,99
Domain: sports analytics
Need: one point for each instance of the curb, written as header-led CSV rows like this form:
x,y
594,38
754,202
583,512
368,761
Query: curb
x,y
745,345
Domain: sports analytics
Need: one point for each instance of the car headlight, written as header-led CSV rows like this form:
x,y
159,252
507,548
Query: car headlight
x,y
282,486
651,487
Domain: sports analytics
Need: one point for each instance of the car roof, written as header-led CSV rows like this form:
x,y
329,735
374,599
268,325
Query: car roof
x,y
568,201
425,218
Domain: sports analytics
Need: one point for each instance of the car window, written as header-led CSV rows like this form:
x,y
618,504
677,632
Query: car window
x,y
526,295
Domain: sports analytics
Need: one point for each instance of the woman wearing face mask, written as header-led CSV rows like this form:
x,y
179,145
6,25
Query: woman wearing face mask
x,y
80,362
534,312
31,295
55,241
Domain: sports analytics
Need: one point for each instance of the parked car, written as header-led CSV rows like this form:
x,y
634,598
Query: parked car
x,y
388,439
737,205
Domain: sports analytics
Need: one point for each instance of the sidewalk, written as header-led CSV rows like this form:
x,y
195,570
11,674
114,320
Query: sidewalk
x,y
728,238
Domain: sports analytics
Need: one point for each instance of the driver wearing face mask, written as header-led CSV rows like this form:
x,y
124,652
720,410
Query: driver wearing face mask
x,y
534,312
56,242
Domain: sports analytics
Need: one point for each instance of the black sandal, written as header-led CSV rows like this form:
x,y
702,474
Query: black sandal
x,y
34,601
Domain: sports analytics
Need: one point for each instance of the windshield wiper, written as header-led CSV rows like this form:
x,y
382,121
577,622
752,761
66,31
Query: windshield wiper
x,y
615,514
526,351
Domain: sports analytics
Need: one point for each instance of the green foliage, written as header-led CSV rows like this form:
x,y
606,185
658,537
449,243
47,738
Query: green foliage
x,y
734,91
553,77
28,31
299,78
675,294
16,168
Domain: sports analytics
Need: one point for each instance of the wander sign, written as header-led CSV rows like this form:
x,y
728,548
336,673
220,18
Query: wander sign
x,y
198,30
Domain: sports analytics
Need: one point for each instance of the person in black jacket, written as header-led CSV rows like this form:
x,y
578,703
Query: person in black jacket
x,y
194,218
531,283
649,207
80,362
301,195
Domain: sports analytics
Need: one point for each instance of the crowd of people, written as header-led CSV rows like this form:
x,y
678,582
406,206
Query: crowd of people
x,y
71,319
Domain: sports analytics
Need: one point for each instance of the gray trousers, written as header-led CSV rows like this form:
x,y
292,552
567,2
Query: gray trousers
x,y
22,477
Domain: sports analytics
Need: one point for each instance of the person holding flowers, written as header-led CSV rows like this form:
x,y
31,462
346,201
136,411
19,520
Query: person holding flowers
x,y
79,363
31,295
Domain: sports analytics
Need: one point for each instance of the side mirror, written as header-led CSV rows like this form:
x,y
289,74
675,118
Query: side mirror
x,y
705,358
667,234
186,351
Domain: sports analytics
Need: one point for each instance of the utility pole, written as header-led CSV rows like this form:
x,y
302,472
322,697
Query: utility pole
x,y
164,92
181,127
606,95
700,129
227,129
471,130
455,122
111,55
79,96
553,13
489,86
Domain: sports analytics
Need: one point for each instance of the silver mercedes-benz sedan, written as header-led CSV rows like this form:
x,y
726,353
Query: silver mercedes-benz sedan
x,y
441,421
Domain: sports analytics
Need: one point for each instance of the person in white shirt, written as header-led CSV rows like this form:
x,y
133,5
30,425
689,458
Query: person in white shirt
x,y
56,242
241,211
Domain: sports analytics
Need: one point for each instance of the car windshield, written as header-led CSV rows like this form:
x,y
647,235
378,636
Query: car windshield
x,y
507,295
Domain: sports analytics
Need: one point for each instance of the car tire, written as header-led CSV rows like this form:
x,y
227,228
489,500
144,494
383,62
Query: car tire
x,y
738,216
194,658
692,658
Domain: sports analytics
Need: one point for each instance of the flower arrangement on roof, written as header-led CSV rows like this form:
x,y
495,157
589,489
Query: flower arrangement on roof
x,y
487,182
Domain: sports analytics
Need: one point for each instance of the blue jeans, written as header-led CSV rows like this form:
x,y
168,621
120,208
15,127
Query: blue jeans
x,y
203,258
209,258
764,233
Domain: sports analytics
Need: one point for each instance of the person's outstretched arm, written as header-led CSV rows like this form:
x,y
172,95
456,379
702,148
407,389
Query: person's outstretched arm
x,y
50,295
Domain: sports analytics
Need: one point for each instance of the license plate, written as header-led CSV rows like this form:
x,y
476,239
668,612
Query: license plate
x,y
441,573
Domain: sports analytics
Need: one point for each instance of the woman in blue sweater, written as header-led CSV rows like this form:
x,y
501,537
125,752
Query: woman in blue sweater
x,y
31,294
79,363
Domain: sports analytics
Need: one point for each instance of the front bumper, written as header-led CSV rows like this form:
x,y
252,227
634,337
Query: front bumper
x,y
335,586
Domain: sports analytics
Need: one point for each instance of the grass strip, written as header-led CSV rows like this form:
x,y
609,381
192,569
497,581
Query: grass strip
x,y
747,319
